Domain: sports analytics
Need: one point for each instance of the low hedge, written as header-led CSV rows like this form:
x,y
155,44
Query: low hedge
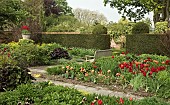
x,y
78,40
148,44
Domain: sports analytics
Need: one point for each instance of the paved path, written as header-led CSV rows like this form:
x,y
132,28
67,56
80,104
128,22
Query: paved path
x,y
96,90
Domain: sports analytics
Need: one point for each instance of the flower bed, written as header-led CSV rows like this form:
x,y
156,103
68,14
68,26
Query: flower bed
x,y
149,73
46,93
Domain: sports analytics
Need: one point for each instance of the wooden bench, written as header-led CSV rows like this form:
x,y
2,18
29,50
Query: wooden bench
x,y
98,54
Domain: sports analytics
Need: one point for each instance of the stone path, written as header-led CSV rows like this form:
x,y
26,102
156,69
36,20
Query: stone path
x,y
87,89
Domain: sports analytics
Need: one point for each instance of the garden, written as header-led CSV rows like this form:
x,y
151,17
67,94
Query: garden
x,y
60,38
145,73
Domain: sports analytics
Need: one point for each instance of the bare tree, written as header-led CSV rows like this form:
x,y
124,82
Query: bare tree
x,y
89,17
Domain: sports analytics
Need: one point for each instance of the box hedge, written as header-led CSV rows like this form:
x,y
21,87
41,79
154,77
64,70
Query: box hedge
x,y
148,43
78,40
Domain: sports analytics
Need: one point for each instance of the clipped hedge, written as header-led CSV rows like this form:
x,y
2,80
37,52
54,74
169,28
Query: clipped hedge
x,y
148,44
78,40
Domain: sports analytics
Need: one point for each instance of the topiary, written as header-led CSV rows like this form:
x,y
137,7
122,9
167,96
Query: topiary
x,y
99,29
140,27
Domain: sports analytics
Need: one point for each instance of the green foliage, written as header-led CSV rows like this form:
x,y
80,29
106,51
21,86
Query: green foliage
x,y
79,40
81,52
63,5
61,24
44,94
109,63
137,82
11,13
99,29
161,27
61,28
26,53
137,9
44,51
47,94
140,28
83,29
163,78
148,44
123,27
12,76
57,70
151,101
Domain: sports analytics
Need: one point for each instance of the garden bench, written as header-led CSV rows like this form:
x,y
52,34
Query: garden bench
x,y
98,54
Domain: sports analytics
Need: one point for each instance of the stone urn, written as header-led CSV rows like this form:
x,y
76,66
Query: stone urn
x,y
26,36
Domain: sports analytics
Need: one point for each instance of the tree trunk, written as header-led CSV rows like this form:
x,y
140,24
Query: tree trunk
x,y
164,11
167,12
156,17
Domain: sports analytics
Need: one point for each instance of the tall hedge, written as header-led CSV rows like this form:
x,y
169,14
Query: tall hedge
x,y
78,40
149,44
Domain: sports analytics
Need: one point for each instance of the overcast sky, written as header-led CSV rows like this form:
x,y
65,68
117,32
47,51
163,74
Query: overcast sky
x,y
97,5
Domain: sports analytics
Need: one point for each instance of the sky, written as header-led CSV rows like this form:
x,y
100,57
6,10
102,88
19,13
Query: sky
x,y
98,5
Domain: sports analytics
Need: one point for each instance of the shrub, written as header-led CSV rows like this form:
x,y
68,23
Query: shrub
x,y
12,76
59,53
140,27
161,27
99,29
25,52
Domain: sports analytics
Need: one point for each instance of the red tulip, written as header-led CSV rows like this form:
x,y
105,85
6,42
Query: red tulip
x,y
167,62
130,69
25,28
144,73
100,102
123,52
131,99
94,67
121,66
92,103
150,73
121,101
